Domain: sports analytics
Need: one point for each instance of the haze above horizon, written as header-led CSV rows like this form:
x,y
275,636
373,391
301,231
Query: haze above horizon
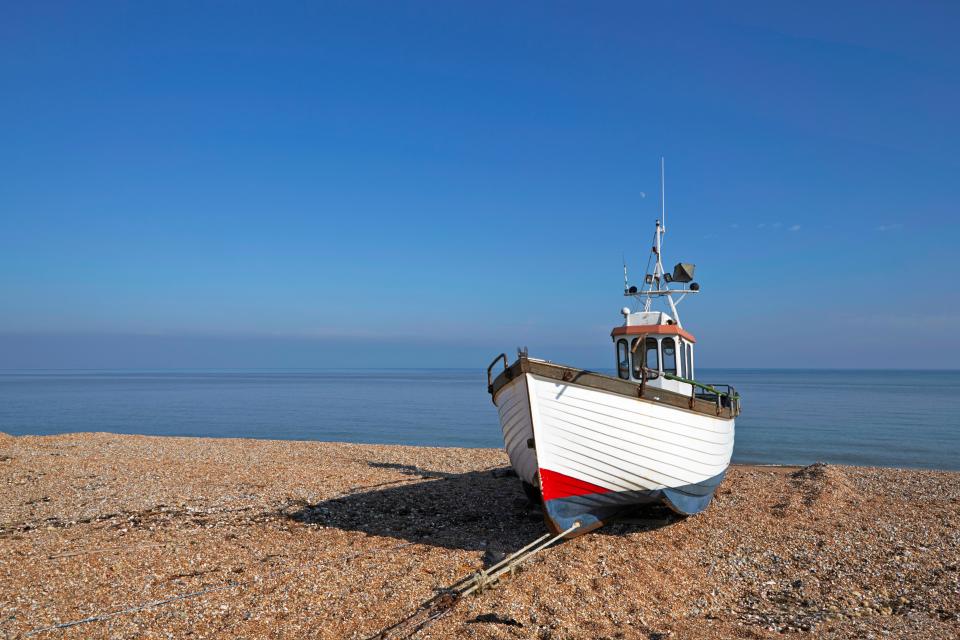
x,y
381,185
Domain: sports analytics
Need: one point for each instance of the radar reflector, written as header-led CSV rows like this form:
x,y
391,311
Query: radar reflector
x,y
683,272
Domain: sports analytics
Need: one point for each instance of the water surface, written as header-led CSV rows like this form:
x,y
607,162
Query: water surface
x,y
887,418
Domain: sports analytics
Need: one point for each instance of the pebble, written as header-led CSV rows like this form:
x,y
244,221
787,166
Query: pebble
x,y
337,540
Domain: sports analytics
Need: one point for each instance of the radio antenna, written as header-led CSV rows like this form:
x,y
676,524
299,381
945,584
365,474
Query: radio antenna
x,y
663,198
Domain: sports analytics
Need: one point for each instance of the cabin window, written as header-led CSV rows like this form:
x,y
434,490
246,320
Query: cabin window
x,y
623,360
636,358
682,371
652,358
669,347
690,362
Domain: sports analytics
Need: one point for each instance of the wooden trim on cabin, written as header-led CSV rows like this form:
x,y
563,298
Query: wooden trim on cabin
x,y
593,380
653,329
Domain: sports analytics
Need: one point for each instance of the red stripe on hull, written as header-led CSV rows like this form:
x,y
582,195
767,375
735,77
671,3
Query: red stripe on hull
x,y
555,485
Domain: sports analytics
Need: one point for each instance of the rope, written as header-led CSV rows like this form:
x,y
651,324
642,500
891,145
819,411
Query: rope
x,y
442,603
148,605
485,578
431,610
223,587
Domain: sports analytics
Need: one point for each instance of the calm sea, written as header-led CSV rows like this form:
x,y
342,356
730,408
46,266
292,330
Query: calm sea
x,y
888,418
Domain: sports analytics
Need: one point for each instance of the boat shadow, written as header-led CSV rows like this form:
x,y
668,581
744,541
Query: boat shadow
x,y
474,511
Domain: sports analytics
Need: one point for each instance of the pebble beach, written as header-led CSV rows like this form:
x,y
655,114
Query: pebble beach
x,y
115,536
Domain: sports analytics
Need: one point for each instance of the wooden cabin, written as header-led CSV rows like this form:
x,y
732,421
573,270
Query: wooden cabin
x,y
650,344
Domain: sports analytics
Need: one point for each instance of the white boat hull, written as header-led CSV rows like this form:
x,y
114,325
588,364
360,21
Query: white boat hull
x,y
593,453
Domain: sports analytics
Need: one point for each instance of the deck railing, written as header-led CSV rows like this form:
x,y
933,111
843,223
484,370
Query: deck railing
x,y
506,367
729,398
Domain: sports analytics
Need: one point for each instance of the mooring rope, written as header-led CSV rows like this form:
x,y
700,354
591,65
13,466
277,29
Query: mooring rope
x,y
429,611
487,577
441,604
149,605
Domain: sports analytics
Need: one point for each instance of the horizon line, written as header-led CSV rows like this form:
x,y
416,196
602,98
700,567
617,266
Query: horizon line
x,y
480,368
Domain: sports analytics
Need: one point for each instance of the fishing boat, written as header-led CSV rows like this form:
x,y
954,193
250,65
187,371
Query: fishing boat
x,y
589,446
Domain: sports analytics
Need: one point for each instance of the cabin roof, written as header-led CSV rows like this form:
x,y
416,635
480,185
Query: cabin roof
x,y
657,329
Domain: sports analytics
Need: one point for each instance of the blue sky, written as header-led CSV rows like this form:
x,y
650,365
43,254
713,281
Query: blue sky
x,y
427,184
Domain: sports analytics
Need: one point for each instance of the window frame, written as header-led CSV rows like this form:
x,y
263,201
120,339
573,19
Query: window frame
x,y
663,355
646,352
636,358
623,372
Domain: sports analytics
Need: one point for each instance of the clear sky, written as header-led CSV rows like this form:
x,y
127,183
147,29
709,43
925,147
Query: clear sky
x,y
393,184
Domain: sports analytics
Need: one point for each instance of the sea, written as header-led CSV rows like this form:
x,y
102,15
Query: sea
x,y
893,418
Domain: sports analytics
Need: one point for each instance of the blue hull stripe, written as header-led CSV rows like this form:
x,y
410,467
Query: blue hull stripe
x,y
592,510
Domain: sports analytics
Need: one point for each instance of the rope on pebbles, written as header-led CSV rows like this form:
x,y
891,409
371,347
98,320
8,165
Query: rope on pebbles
x,y
185,596
442,603
429,611
142,607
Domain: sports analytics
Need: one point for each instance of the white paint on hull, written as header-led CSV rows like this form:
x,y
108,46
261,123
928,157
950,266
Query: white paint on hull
x,y
616,442
516,422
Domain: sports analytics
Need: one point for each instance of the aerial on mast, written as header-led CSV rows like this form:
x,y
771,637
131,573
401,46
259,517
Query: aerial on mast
x,y
657,283
663,198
